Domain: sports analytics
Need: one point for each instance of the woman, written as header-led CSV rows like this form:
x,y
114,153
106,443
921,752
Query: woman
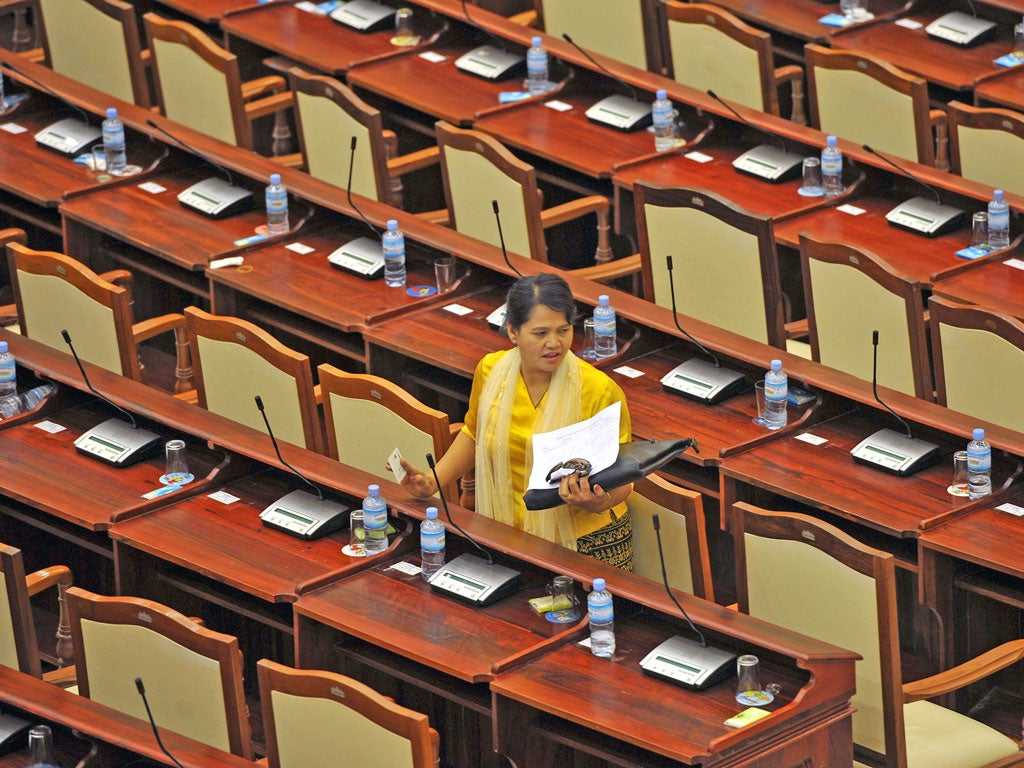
x,y
537,386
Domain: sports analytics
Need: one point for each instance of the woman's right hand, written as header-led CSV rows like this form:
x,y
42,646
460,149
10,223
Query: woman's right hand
x,y
418,483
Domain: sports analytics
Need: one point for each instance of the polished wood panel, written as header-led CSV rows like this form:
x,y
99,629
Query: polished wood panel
x,y
995,282
798,18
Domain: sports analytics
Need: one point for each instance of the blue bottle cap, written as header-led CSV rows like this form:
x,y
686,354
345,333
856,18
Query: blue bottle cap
x,y
374,489
979,433
275,178
776,365
599,585
535,42
111,113
392,224
3,347
998,195
660,94
602,300
431,513
830,141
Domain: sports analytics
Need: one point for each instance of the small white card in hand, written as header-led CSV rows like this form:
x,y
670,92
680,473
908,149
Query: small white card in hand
x,y
395,465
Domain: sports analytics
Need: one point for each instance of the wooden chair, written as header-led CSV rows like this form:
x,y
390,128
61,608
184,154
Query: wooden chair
x,y
199,84
318,719
979,361
987,145
329,115
810,577
97,43
851,292
478,169
612,28
54,292
707,47
683,535
723,258
367,417
848,92
192,675
19,648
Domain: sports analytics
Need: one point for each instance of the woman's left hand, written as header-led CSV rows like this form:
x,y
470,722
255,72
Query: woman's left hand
x,y
577,491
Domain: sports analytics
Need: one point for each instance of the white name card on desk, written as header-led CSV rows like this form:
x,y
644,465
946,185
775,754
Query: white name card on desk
x,y
631,373
558,106
13,128
1015,263
300,248
1013,509
223,497
852,210
807,437
698,157
152,187
458,309
432,57
908,23
50,426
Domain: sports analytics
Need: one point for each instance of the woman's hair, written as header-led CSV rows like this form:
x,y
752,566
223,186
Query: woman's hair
x,y
545,288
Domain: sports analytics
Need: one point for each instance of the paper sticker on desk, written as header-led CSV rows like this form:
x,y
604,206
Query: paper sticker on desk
x,y
152,187
807,437
156,493
432,57
908,23
13,128
558,106
1015,263
1009,60
49,426
300,248
631,373
404,567
585,642
223,497
698,157
746,717
1013,509
853,210
458,309
974,252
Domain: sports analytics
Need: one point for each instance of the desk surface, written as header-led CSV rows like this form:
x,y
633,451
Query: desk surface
x,y
1006,90
912,50
207,11
798,18
994,285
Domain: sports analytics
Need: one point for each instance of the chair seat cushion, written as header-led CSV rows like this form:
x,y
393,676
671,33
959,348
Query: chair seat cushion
x,y
941,738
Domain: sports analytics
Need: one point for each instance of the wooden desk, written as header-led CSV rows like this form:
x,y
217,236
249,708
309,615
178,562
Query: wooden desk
x,y
948,66
1006,90
208,12
121,739
989,283
796,18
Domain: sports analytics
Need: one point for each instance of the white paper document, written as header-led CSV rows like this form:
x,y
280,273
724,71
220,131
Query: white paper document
x,y
596,440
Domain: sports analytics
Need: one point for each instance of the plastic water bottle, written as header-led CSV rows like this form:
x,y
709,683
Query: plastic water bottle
x,y
536,68
998,221
8,372
605,339
375,521
832,168
979,466
431,544
776,388
663,115
3,102
277,206
394,256
12,405
113,143
602,621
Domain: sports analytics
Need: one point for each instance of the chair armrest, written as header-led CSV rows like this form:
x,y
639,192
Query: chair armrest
x,y
62,677
969,672
294,160
414,161
121,277
13,235
188,396
940,124
559,214
8,314
794,75
45,578
526,18
146,57
441,217
35,55
611,270
798,329
263,85
147,329
268,105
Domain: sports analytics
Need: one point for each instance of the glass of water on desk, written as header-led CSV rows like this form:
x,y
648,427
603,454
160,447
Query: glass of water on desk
x,y
853,9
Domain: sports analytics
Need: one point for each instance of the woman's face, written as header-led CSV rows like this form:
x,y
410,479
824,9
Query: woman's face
x,y
543,340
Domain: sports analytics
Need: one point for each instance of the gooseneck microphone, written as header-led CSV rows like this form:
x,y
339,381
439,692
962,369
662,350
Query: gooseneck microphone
x,y
501,238
919,214
448,514
602,67
277,449
774,136
85,377
904,172
474,25
184,144
142,692
664,578
874,385
675,315
348,189
45,89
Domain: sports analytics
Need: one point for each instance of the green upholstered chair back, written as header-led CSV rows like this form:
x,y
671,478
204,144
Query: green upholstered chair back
x,y
612,28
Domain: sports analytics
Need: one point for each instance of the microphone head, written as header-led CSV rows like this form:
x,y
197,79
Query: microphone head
x,y
430,460
259,402
668,262
65,335
874,338
151,123
139,686
656,522
712,94
494,206
352,146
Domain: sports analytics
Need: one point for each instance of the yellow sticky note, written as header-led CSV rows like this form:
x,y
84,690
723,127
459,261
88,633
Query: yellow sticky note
x,y
746,717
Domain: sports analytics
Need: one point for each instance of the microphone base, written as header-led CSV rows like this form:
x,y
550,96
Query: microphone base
x,y
304,515
689,664
118,443
69,136
703,381
621,113
491,63
769,163
925,217
473,580
895,453
363,257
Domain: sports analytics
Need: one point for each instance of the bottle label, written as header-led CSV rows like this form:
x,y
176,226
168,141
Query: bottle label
x,y
978,461
999,219
601,612
604,327
432,542
114,136
8,371
394,248
277,202
776,390
375,518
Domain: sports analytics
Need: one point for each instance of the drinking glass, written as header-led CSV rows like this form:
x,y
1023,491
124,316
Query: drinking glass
x,y
356,535
759,396
176,464
444,273
813,185
588,353
564,604
979,230
959,485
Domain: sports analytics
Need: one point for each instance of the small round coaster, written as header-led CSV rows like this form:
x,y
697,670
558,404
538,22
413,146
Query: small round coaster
x,y
129,170
405,41
421,291
262,229
958,490
810,192
562,617
755,698
351,551
245,268
178,478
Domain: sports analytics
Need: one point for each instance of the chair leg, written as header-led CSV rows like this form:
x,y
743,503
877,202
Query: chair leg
x,y
942,147
799,114
604,245
183,362
65,651
282,135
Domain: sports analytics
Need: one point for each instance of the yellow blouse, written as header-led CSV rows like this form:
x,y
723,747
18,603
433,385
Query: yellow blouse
x,y
598,392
